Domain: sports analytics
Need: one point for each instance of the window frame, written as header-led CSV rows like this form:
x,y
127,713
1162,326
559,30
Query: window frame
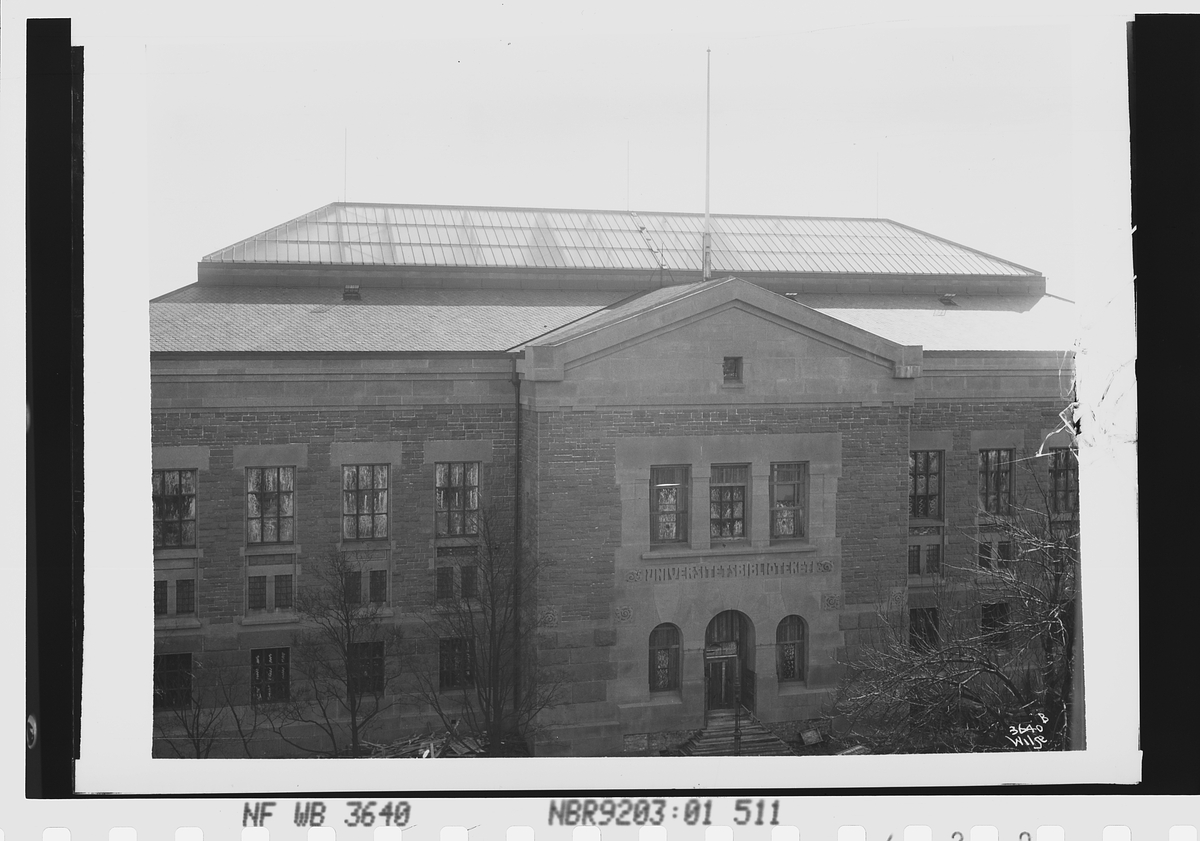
x,y
259,496
353,497
918,467
443,497
270,568
1064,480
285,681
161,506
715,487
932,622
458,673
161,673
168,573
996,629
674,657
799,644
731,370
799,485
372,652
682,511
996,469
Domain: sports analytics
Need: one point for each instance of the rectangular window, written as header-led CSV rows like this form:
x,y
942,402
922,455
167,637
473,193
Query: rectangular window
x,y
995,553
731,369
455,658
1064,480
995,623
914,560
352,585
995,481
925,484
445,584
257,594
933,559
174,508
270,505
727,502
160,598
789,489
185,596
172,681
669,504
923,630
283,592
364,501
467,579
269,675
366,667
457,498
378,586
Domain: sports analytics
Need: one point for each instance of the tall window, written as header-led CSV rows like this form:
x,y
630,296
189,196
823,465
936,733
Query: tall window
x,y
379,586
731,369
995,624
664,658
284,591
727,502
160,598
270,511
352,585
995,481
270,678
174,508
668,504
789,483
925,484
1064,480
457,505
366,667
924,632
185,596
789,648
455,657
172,681
364,501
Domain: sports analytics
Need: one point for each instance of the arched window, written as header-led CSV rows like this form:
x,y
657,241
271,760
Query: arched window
x,y
664,659
790,648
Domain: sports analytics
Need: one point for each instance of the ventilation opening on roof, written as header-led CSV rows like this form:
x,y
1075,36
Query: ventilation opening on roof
x,y
351,293
947,299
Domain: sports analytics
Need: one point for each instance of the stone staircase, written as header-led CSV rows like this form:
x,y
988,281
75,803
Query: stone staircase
x,y
717,737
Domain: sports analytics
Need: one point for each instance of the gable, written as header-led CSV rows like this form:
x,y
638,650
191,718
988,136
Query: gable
x,y
673,352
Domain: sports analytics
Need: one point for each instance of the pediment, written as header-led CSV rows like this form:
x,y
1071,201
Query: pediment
x,y
729,313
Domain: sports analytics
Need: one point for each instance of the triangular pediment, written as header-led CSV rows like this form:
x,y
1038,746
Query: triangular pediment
x,y
727,313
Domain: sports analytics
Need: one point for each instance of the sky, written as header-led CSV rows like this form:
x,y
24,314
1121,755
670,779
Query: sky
x,y
959,129
208,123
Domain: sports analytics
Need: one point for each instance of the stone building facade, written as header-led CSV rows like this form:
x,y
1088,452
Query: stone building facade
x,y
722,480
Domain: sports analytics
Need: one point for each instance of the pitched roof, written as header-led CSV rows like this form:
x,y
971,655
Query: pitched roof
x,y
972,323
315,319
432,235
231,319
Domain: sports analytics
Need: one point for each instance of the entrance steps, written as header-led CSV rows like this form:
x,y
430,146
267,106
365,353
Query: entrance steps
x,y
717,737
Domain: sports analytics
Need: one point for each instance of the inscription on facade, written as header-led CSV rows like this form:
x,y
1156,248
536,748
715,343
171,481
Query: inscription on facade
x,y
749,569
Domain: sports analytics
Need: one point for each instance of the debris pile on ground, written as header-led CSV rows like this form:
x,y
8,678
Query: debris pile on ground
x,y
427,746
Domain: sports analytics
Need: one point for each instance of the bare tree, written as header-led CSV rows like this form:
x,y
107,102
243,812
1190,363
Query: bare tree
x,y
993,653
207,711
476,667
344,664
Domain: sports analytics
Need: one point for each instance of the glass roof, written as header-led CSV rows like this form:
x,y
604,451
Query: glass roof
x,y
493,237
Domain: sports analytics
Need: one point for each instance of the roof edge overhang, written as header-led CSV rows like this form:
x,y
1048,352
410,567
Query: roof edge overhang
x,y
632,280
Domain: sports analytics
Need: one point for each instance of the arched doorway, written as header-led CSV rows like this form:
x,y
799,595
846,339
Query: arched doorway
x,y
729,661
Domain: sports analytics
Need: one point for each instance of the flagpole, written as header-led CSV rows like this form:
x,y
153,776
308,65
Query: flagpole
x,y
706,253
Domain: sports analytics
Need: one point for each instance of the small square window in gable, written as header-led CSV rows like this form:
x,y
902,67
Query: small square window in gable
x,y
731,369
